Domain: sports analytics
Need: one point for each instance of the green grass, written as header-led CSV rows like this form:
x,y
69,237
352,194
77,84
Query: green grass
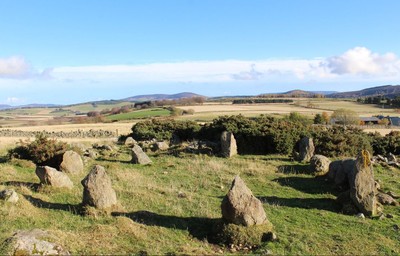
x,y
152,218
140,114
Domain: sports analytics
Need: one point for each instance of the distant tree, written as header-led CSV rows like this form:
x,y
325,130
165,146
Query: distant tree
x,y
345,116
318,119
93,113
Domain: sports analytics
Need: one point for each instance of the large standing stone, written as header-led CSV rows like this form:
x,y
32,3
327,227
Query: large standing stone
x,y
34,242
240,207
71,162
52,177
362,185
9,195
228,144
97,189
306,149
319,165
139,157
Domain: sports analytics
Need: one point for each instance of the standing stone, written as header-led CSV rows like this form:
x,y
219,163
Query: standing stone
x,y
306,149
340,171
71,162
362,185
228,144
9,195
240,207
97,189
50,176
130,141
139,157
34,242
319,165
161,145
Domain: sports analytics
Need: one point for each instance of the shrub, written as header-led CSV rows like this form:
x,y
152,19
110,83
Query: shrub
x,y
42,149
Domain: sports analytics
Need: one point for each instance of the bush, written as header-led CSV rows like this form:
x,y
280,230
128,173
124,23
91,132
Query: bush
x,y
39,151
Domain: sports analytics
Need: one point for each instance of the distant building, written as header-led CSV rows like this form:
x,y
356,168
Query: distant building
x,y
370,120
394,121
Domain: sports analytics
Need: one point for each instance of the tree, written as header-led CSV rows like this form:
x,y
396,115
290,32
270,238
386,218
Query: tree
x,y
318,119
345,117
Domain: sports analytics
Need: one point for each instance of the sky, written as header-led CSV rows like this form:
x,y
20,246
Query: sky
x,y
71,51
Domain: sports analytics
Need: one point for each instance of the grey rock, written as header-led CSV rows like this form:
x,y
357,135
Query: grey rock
x,y
50,176
9,195
161,145
319,165
391,158
306,149
34,242
241,207
392,194
386,199
71,162
228,144
360,215
139,157
362,185
97,189
340,170
130,141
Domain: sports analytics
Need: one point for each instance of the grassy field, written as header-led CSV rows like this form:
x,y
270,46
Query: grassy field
x,y
154,218
140,114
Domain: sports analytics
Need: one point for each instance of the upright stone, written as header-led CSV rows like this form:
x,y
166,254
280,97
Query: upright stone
x,y
306,149
228,144
71,162
362,185
241,207
319,165
139,157
97,189
50,176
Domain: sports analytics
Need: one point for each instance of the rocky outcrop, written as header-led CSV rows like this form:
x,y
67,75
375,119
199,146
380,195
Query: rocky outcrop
x,y
97,189
34,242
50,176
71,162
241,207
319,165
139,157
228,144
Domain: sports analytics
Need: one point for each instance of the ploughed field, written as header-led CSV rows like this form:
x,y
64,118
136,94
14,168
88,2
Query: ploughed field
x,y
170,207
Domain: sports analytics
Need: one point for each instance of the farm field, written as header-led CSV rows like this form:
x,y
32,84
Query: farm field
x,y
170,206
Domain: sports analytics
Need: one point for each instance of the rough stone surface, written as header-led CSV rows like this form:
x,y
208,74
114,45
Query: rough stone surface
x,y
50,176
306,149
161,145
130,141
71,163
9,195
228,144
319,165
241,207
340,170
34,242
139,157
386,199
97,189
362,185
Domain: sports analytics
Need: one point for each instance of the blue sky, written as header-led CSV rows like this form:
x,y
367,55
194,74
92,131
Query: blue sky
x,y
70,51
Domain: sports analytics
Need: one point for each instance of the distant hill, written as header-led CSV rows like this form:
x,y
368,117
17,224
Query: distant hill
x,y
390,91
3,106
163,96
296,94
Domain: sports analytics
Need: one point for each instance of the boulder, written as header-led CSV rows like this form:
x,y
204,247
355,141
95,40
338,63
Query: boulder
x,y
306,149
161,145
34,242
97,189
319,165
50,176
340,170
130,141
362,185
71,162
228,144
241,207
9,195
386,199
139,157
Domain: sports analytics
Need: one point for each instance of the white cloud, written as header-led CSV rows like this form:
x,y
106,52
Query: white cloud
x,y
362,61
14,67
14,100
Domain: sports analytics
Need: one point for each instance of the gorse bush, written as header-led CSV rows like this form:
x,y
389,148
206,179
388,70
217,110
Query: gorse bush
x,y
41,150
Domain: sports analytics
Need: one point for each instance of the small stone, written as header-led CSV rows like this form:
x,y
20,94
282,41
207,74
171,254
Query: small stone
x,y
181,194
220,251
270,236
9,195
389,216
382,217
360,215
392,194
233,249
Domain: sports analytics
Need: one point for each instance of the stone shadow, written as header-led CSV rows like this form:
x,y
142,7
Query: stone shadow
x,y
309,185
198,227
30,185
294,169
327,204
75,209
